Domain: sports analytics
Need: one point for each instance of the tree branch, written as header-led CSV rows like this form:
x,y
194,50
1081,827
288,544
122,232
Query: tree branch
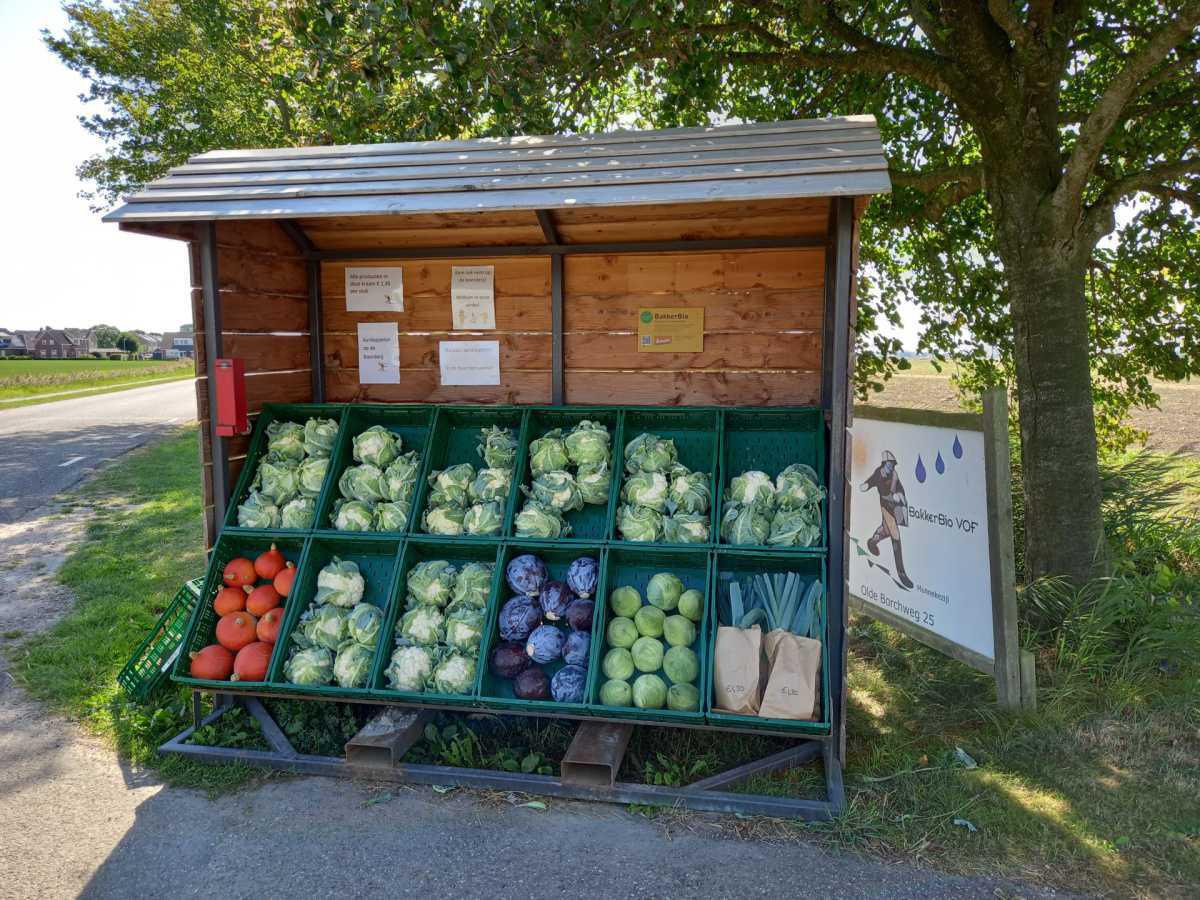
x,y
944,187
1006,17
1098,220
1068,196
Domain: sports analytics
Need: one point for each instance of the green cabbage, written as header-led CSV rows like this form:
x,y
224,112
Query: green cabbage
x,y
444,520
400,477
538,521
594,481
556,490
649,692
430,583
311,666
352,666
497,447
423,625
450,485
473,585
490,486
639,523
279,479
340,583
745,524
647,489
548,453
464,629
455,674
685,528
753,487
391,516
363,623
312,475
690,493
663,591
796,527
319,437
650,453
363,482
285,440
298,513
322,626
258,512
353,515
376,446
410,668
587,444
484,518
798,486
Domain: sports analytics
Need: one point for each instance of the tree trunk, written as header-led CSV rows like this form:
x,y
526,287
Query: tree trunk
x,y
1064,531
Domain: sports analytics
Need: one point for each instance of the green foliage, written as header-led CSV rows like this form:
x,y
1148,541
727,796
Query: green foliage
x,y
508,744
319,729
235,728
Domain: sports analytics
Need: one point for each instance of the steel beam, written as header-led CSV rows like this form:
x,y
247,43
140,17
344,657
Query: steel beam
x,y
546,220
212,352
556,330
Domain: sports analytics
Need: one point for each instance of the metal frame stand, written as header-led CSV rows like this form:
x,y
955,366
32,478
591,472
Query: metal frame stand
x,y
709,794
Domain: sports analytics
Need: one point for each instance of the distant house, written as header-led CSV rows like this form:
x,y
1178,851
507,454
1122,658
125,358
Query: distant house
x,y
63,343
12,343
151,341
176,345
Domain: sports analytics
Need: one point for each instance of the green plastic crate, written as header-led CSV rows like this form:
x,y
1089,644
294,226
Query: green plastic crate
x,y
418,550
278,412
152,660
696,433
590,524
496,692
634,565
770,440
455,440
412,423
202,628
730,565
376,557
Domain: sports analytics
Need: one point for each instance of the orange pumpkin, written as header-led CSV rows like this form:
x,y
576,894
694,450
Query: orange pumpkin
x,y
252,661
283,581
238,571
269,625
213,663
229,600
268,563
236,630
261,600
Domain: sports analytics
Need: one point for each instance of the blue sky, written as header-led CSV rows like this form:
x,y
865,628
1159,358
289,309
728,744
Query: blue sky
x,y
61,265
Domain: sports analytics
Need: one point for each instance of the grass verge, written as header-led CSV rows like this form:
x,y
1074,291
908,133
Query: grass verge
x,y
1100,790
26,382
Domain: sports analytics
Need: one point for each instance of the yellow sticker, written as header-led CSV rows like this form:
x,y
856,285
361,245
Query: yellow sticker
x,y
665,329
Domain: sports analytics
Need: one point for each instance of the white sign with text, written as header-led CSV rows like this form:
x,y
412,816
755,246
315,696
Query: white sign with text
x,y
918,528
375,289
469,362
473,297
378,353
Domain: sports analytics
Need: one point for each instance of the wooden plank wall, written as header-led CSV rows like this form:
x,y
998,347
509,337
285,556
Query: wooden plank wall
x,y
762,346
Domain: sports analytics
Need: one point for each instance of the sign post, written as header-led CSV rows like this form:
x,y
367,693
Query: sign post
x,y
931,544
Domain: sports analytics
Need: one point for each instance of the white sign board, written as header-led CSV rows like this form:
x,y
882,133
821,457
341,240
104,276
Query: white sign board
x,y
919,528
375,289
473,297
378,353
469,362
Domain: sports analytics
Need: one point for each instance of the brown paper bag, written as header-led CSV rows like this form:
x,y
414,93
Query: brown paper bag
x,y
737,662
792,684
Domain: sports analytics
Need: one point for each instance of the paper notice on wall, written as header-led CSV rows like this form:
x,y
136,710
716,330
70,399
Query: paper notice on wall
x,y
378,353
473,297
469,362
375,289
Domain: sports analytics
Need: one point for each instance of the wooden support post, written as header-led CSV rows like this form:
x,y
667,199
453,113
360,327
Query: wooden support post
x,y
384,740
594,757
1028,681
997,470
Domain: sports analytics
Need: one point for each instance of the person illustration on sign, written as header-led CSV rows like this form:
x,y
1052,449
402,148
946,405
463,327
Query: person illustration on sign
x,y
893,504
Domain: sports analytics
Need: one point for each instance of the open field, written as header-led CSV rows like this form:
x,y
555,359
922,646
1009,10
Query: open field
x,y
1173,428
25,381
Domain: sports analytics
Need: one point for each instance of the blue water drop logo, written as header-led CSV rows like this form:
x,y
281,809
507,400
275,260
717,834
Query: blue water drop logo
x,y
957,448
940,464
920,469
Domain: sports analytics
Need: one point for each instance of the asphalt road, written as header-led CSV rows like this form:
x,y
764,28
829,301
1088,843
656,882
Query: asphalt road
x,y
48,447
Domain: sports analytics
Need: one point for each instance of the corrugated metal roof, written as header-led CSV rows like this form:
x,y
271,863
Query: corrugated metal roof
x,y
803,158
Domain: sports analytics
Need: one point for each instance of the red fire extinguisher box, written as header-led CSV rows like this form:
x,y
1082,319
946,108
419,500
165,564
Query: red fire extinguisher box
x,y
230,396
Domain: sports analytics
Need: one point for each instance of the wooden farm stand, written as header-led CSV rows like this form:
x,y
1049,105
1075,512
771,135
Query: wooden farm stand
x,y
756,224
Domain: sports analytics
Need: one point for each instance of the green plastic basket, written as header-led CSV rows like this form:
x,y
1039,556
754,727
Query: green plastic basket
x,y
696,433
203,625
455,440
152,660
634,566
376,558
496,692
729,565
412,423
418,550
770,440
590,524
279,412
